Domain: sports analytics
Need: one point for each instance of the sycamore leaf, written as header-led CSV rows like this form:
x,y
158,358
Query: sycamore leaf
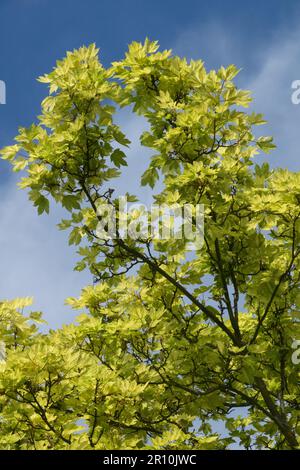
x,y
42,204
265,144
118,158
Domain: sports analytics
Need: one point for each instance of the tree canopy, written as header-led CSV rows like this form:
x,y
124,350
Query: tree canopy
x,y
167,342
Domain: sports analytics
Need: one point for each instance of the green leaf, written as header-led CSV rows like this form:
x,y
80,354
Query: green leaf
x,y
70,202
42,204
75,236
265,144
150,177
118,158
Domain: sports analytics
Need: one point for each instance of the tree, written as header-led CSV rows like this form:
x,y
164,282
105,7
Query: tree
x,y
168,342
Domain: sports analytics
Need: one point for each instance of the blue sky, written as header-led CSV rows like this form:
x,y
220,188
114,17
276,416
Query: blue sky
x,y
262,37
35,33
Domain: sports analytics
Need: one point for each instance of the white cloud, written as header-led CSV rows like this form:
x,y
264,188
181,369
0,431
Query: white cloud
x,y
35,257
138,156
210,42
268,73
272,96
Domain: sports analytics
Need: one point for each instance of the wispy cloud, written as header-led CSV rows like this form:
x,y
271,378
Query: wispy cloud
x,y
267,72
35,257
210,42
272,96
